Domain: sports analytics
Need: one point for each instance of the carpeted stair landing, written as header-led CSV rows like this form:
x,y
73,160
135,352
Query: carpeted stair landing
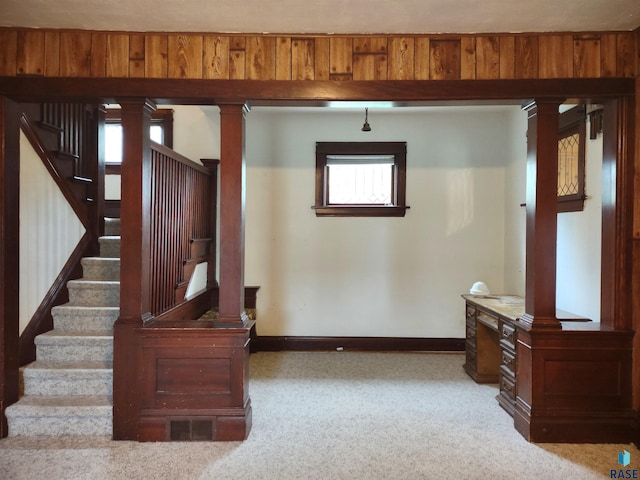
x,y
68,389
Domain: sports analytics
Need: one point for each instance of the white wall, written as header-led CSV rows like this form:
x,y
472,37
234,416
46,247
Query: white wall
x,y
515,214
375,276
579,245
49,231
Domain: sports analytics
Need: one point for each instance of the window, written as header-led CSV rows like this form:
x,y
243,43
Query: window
x,y
161,131
571,153
361,179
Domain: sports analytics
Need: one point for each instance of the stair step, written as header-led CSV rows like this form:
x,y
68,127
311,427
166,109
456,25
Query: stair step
x,y
112,226
94,293
101,268
109,246
77,318
60,416
65,346
68,378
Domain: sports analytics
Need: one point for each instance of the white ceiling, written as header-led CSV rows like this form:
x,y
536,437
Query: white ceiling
x,y
325,16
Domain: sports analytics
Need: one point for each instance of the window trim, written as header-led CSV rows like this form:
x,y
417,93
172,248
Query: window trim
x,y
572,122
161,116
397,149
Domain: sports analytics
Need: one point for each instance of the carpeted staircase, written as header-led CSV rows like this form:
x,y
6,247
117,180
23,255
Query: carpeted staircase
x,y
68,389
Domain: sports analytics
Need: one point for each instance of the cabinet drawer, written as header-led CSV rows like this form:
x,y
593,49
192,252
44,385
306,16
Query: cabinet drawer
x,y
471,315
509,361
507,387
508,335
489,320
470,353
471,334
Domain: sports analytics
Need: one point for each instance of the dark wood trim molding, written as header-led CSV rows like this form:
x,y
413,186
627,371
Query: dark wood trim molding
x,y
9,257
278,92
361,344
53,171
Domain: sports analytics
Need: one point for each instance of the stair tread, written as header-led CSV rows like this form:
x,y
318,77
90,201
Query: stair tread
x,y
82,281
62,401
75,333
73,307
69,365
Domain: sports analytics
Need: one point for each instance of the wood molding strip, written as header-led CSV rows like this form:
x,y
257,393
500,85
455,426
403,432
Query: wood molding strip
x,y
44,155
367,344
42,321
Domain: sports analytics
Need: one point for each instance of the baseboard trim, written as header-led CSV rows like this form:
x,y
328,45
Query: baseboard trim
x,y
367,344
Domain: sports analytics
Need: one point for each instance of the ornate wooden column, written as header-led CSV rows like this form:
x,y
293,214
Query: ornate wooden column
x,y
542,212
9,256
134,270
232,203
573,379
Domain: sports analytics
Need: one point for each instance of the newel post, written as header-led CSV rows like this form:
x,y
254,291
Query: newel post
x,y
135,219
232,213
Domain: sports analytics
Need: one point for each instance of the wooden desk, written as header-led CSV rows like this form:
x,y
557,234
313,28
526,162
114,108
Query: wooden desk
x,y
491,341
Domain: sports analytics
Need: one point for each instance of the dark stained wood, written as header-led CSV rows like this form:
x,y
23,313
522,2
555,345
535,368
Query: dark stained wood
x,y
356,344
194,370
232,201
275,92
617,216
180,202
135,266
212,165
574,385
9,257
541,205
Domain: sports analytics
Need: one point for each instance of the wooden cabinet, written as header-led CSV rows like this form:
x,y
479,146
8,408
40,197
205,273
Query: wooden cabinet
x,y
482,347
507,380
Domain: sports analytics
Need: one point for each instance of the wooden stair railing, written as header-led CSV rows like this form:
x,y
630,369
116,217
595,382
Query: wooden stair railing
x,y
182,225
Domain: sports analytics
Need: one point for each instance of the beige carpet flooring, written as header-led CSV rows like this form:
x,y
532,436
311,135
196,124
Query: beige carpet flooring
x,y
336,415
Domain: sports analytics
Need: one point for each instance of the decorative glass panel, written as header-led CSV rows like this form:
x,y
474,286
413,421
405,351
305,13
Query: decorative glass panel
x,y
568,162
